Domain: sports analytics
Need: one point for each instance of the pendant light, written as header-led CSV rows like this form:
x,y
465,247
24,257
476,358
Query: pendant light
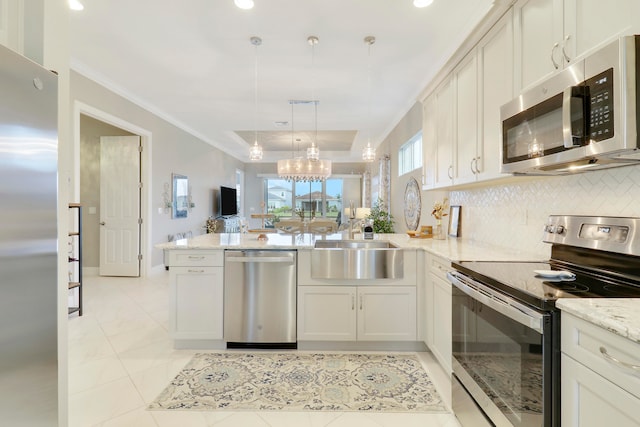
x,y
313,152
369,152
255,154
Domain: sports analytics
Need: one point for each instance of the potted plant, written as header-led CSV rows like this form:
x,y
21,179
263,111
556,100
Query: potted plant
x,y
381,219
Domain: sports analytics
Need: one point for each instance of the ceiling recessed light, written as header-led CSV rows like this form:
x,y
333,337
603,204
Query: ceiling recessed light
x,y
75,5
244,4
422,3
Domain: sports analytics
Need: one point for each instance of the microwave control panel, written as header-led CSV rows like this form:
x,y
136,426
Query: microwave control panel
x,y
600,106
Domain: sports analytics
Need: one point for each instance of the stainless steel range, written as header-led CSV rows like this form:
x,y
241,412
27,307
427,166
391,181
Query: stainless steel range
x,y
506,328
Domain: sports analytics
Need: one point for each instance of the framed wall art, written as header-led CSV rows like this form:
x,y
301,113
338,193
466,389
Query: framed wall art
x,y
454,221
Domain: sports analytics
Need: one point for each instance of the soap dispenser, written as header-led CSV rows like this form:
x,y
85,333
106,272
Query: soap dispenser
x,y
368,230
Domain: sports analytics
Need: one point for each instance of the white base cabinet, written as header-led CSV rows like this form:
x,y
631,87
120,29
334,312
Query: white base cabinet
x,y
438,334
327,313
196,283
356,313
590,400
597,388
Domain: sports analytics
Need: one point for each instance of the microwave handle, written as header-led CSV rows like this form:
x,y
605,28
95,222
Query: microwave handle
x,y
573,98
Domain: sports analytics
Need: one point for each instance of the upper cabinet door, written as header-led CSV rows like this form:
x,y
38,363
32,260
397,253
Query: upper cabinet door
x,y
538,40
495,64
444,134
466,119
589,24
429,142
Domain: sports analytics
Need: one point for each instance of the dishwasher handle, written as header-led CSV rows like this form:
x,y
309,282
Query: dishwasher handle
x,y
260,259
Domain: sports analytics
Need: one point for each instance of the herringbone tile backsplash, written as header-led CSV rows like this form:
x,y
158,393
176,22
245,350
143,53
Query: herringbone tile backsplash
x,y
511,213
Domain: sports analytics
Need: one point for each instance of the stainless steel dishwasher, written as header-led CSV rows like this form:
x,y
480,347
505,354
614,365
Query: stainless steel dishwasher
x,y
260,298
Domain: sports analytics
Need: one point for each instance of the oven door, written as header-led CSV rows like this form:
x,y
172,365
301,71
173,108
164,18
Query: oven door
x,y
503,354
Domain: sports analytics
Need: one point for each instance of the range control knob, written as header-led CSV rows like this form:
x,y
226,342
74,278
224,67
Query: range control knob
x,y
549,228
560,229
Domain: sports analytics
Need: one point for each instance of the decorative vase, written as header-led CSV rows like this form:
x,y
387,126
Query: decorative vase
x,y
438,232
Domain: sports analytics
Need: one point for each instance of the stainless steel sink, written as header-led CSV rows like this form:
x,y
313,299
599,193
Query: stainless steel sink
x,y
354,244
356,259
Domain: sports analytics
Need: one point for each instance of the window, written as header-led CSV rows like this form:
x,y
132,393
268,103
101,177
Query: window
x,y
320,199
410,155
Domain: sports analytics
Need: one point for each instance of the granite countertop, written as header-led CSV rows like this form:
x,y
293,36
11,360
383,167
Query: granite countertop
x,y
452,249
618,315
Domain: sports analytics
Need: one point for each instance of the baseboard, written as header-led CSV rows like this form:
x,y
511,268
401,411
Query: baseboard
x,y
90,271
362,345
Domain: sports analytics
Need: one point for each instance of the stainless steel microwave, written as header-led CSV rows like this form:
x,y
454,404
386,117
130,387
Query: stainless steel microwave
x,y
583,118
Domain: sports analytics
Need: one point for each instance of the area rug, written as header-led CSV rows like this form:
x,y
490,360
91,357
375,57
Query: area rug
x,y
263,381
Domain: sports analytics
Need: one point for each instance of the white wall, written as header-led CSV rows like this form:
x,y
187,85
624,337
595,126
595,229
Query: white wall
x,y
406,129
173,150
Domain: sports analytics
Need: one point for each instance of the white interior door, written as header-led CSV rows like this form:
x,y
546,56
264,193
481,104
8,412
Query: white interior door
x,y
119,206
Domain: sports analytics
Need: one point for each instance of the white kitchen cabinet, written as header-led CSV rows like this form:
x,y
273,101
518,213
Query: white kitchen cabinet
x,y
597,390
327,313
387,313
438,137
550,34
438,294
538,38
360,313
429,142
461,119
465,78
495,76
196,283
444,166
589,24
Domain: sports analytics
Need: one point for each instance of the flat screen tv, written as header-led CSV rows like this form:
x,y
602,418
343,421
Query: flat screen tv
x,y
228,202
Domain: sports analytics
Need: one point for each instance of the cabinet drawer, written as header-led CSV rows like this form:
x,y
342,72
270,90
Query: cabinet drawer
x,y
183,258
586,342
439,267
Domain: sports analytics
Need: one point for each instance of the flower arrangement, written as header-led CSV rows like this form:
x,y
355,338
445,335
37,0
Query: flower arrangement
x,y
440,209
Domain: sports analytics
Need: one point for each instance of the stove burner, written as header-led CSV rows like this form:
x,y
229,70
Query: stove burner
x,y
620,288
567,286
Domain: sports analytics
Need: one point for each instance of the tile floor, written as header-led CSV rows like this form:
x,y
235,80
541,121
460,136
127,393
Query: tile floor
x,y
121,357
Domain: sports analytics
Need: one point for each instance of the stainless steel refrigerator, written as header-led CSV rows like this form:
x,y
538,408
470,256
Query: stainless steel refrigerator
x,y
28,243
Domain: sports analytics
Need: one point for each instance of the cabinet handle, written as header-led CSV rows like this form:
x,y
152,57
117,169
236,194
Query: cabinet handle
x,y
477,168
618,362
564,52
473,170
450,172
553,50
353,302
196,257
360,302
195,271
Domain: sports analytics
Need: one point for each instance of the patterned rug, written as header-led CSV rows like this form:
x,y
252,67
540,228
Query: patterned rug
x,y
301,382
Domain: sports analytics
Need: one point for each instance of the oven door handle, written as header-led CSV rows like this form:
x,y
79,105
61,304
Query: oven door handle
x,y
497,301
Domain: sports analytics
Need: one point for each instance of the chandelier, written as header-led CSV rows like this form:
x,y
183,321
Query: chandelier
x,y
312,168
369,152
255,153
297,168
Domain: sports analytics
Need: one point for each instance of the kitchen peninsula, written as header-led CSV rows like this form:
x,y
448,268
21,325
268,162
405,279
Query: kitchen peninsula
x,y
365,313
